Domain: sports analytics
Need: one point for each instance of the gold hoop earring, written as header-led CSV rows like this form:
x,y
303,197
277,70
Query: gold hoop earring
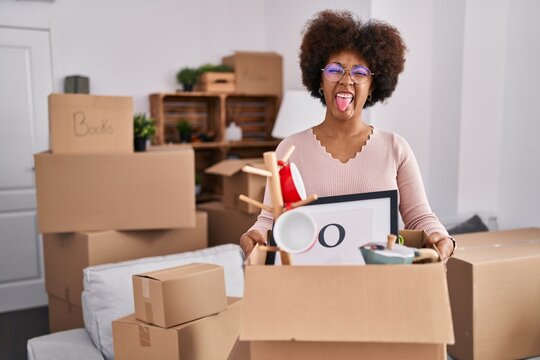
x,y
369,97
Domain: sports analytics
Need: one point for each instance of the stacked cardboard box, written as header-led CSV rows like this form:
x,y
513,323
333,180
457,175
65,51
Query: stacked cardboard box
x,y
236,183
257,72
220,82
181,313
100,202
229,219
67,254
225,225
494,284
346,312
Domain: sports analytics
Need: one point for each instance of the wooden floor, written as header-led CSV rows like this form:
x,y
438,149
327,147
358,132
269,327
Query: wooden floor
x,y
17,327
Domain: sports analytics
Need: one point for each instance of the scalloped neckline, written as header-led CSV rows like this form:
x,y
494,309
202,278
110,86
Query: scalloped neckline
x,y
350,159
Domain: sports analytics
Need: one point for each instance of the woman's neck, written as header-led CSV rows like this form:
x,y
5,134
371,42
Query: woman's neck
x,y
344,141
340,128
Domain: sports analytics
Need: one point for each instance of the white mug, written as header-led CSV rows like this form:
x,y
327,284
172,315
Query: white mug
x,y
295,231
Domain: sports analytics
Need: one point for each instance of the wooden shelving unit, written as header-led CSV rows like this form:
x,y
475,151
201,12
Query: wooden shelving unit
x,y
210,114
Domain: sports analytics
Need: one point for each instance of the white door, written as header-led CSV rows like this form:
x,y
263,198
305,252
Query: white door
x,y
25,82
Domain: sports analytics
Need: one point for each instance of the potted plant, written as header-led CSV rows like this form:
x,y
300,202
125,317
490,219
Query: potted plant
x,y
187,77
143,129
184,130
214,68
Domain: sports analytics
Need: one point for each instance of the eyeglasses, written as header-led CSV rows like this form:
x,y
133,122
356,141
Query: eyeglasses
x,y
334,72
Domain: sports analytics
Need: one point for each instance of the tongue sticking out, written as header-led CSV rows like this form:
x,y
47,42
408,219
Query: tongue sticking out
x,y
342,103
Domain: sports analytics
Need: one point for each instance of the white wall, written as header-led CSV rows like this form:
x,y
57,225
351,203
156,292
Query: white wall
x,y
285,20
446,89
481,115
468,105
465,102
135,47
408,111
426,106
519,165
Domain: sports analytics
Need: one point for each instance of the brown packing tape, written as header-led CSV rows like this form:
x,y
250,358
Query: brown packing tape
x,y
144,336
494,246
67,298
145,283
149,312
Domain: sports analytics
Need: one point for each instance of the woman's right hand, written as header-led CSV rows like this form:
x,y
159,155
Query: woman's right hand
x,y
251,238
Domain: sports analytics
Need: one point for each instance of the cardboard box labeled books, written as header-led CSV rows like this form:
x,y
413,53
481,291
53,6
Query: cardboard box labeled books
x,y
381,310
494,284
180,294
236,182
210,338
80,123
257,73
64,315
148,190
225,225
67,254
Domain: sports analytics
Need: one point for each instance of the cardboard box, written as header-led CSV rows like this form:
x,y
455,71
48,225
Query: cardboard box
x,y
148,190
209,338
404,308
86,124
257,73
225,225
67,254
236,183
64,315
301,350
494,284
180,294
240,351
222,82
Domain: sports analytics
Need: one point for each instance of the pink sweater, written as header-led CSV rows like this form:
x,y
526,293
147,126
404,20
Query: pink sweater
x,y
386,162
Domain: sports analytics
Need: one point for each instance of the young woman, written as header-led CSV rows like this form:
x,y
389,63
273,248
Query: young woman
x,y
350,65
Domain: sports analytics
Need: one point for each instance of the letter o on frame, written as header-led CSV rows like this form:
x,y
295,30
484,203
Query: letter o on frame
x,y
341,230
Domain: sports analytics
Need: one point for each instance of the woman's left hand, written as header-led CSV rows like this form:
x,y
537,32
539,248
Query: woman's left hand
x,y
443,243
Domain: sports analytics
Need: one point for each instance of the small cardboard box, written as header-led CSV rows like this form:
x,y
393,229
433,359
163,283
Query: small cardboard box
x,y
209,338
149,190
494,284
257,73
344,309
180,294
221,82
64,315
225,225
86,124
236,183
67,254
